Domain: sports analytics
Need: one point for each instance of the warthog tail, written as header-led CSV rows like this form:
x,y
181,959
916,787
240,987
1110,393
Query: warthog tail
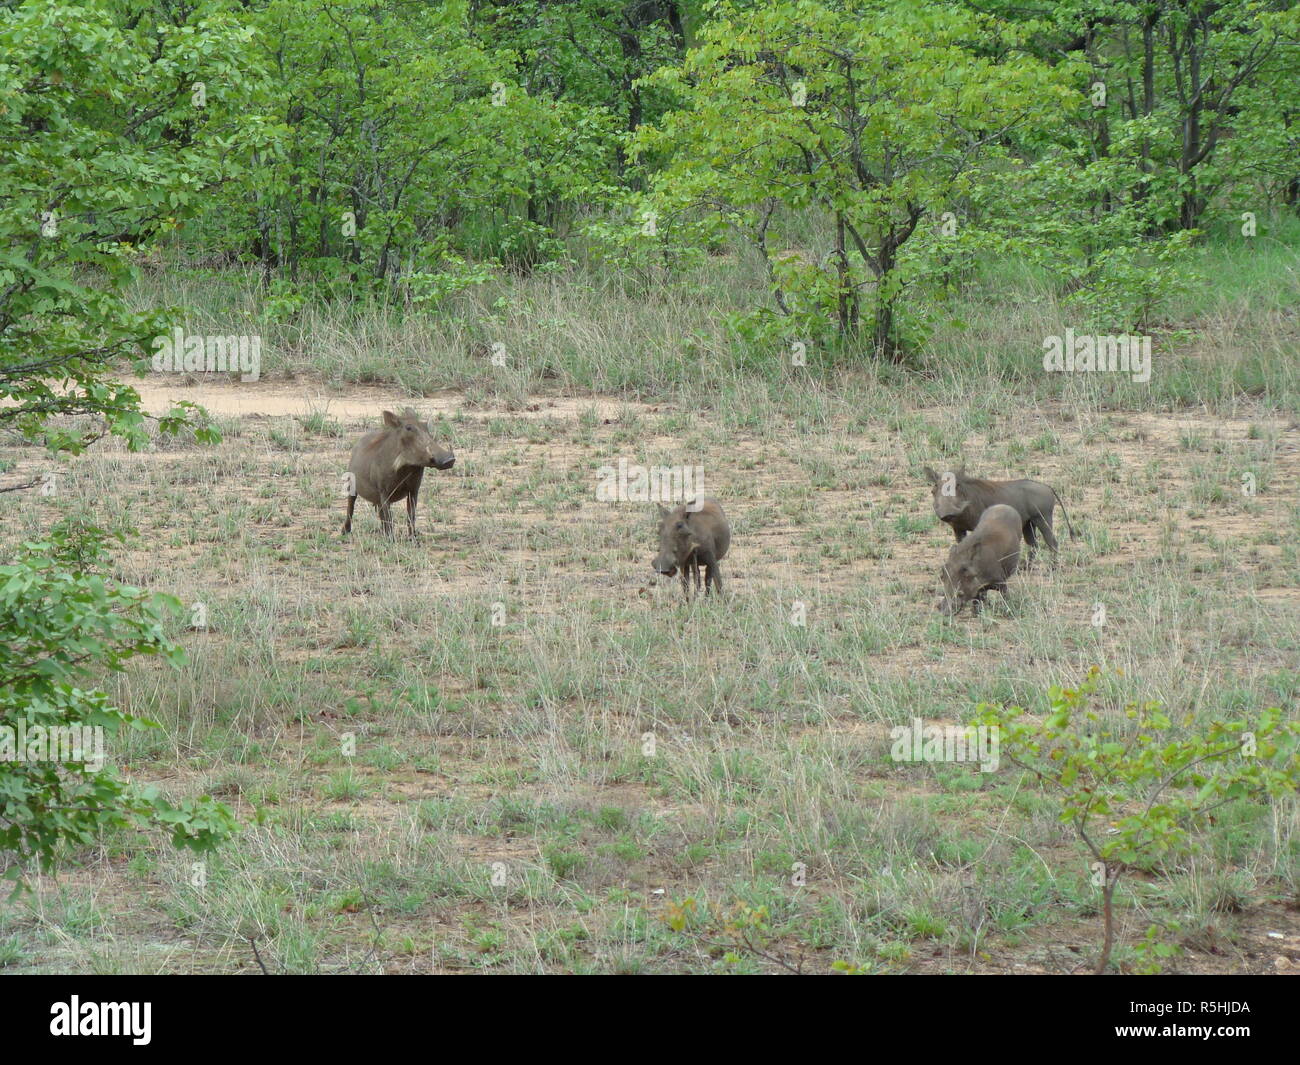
x,y
1063,513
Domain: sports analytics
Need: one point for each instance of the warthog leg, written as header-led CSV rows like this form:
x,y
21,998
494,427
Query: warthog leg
x,y
713,576
690,569
980,600
347,522
1044,524
410,512
1031,543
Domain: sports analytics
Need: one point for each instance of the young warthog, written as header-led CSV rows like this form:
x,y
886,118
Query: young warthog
x,y
982,560
691,536
388,465
961,501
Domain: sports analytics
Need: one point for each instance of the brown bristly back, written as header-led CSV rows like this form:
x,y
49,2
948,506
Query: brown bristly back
x,y
978,490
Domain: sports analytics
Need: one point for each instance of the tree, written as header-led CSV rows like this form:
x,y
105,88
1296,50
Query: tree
x,y
112,129
64,624
1133,793
1199,76
390,149
875,114
106,146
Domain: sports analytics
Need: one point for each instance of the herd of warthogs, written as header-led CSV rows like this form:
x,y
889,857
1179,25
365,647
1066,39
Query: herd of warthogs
x,y
988,518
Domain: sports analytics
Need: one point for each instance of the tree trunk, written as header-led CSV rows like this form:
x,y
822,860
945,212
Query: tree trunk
x,y
1108,918
842,278
1192,204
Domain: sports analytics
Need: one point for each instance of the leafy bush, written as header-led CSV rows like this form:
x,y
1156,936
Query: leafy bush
x,y
1135,795
63,624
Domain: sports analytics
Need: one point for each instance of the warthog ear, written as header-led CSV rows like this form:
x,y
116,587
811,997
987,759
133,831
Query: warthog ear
x,y
934,477
391,419
663,512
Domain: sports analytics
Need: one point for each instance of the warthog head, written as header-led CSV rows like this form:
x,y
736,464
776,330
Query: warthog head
x,y
415,444
961,583
950,498
675,542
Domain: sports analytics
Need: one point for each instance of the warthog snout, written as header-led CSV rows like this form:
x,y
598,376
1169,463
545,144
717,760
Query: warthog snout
x,y
670,533
664,566
416,446
947,508
961,585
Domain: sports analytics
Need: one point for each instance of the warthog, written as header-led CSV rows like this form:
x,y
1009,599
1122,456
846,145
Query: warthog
x,y
690,538
388,465
961,501
982,560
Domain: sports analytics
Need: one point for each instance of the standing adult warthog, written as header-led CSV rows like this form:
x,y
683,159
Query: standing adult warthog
x,y
691,536
961,501
985,559
388,465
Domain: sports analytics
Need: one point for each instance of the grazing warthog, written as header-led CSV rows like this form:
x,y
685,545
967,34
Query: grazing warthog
x,y
961,501
982,560
691,538
388,465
